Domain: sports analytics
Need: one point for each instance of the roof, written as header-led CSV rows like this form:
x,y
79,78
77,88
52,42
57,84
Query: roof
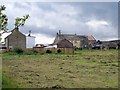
x,y
59,41
31,36
71,36
15,30
4,35
91,37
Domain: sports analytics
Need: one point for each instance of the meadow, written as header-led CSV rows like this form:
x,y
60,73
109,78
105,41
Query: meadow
x,y
83,69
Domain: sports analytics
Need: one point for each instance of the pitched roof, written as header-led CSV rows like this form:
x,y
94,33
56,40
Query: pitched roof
x,y
71,36
91,37
4,35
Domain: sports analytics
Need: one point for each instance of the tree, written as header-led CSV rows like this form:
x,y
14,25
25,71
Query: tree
x,y
21,21
3,19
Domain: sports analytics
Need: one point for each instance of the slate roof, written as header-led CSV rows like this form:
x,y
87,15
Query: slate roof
x,y
91,37
71,36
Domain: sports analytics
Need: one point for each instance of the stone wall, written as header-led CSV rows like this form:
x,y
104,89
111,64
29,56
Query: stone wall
x,y
54,50
15,39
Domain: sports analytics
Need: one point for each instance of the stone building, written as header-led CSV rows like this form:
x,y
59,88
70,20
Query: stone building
x,y
113,44
64,44
78,41
15,39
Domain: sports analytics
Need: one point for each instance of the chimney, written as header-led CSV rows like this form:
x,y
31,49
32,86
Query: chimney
x,y
29,33
59,32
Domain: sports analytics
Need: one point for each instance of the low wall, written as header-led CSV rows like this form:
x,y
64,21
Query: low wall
x,y
54,50
43,50
3,50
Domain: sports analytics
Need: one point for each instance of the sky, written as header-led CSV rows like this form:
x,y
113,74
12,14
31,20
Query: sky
x,y
99,19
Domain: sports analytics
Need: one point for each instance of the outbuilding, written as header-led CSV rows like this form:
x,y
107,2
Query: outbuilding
x,y
64,44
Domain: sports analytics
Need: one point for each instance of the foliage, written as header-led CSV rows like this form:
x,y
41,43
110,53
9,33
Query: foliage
x,y
48,51
8,83
18,50
3,19
21,21
30,52
58,51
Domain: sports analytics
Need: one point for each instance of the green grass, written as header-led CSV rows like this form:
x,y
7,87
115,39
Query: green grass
x,y
8,83
83,69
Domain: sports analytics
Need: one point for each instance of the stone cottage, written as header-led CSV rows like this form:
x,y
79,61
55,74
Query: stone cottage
x,y
15,39
78,41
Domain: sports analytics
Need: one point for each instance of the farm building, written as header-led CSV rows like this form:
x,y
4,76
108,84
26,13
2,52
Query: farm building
x,y
64,44
113,44
17,39
78,41
30,41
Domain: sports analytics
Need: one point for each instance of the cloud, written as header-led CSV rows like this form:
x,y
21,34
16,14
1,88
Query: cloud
x,y
46,18
42,39
96,24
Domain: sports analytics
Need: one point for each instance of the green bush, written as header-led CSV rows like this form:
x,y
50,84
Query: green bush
x,y
59,51
48,51
30,52
18,50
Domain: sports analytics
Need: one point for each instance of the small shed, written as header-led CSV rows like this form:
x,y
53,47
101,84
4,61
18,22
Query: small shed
x,y
64,44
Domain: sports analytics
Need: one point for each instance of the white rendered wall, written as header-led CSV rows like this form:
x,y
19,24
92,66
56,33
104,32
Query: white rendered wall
x,y
30,42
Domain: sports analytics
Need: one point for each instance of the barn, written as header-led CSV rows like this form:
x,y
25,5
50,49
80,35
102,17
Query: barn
x,y
64,44
78,41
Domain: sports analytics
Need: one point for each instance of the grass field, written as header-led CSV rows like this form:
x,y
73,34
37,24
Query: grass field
x,y
83,69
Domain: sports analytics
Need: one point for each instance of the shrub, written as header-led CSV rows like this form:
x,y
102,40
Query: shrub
x,y
18,50
48,51
30,52
58,51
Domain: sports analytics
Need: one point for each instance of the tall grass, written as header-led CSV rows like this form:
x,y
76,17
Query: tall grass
x,y
8,83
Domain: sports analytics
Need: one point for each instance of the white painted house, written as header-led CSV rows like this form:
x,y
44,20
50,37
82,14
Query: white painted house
x,y
30,41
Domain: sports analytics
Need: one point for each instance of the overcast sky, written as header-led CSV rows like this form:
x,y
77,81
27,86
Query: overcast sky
x,y
99,19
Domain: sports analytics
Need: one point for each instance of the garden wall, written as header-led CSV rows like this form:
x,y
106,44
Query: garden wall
x,y
53,50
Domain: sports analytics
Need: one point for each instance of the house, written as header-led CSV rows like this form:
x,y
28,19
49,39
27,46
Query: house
x,y
78,41
15,39
30,41
64,43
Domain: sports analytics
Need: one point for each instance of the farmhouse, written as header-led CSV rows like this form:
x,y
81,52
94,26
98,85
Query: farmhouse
x,y
18,39
15,39
78,41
